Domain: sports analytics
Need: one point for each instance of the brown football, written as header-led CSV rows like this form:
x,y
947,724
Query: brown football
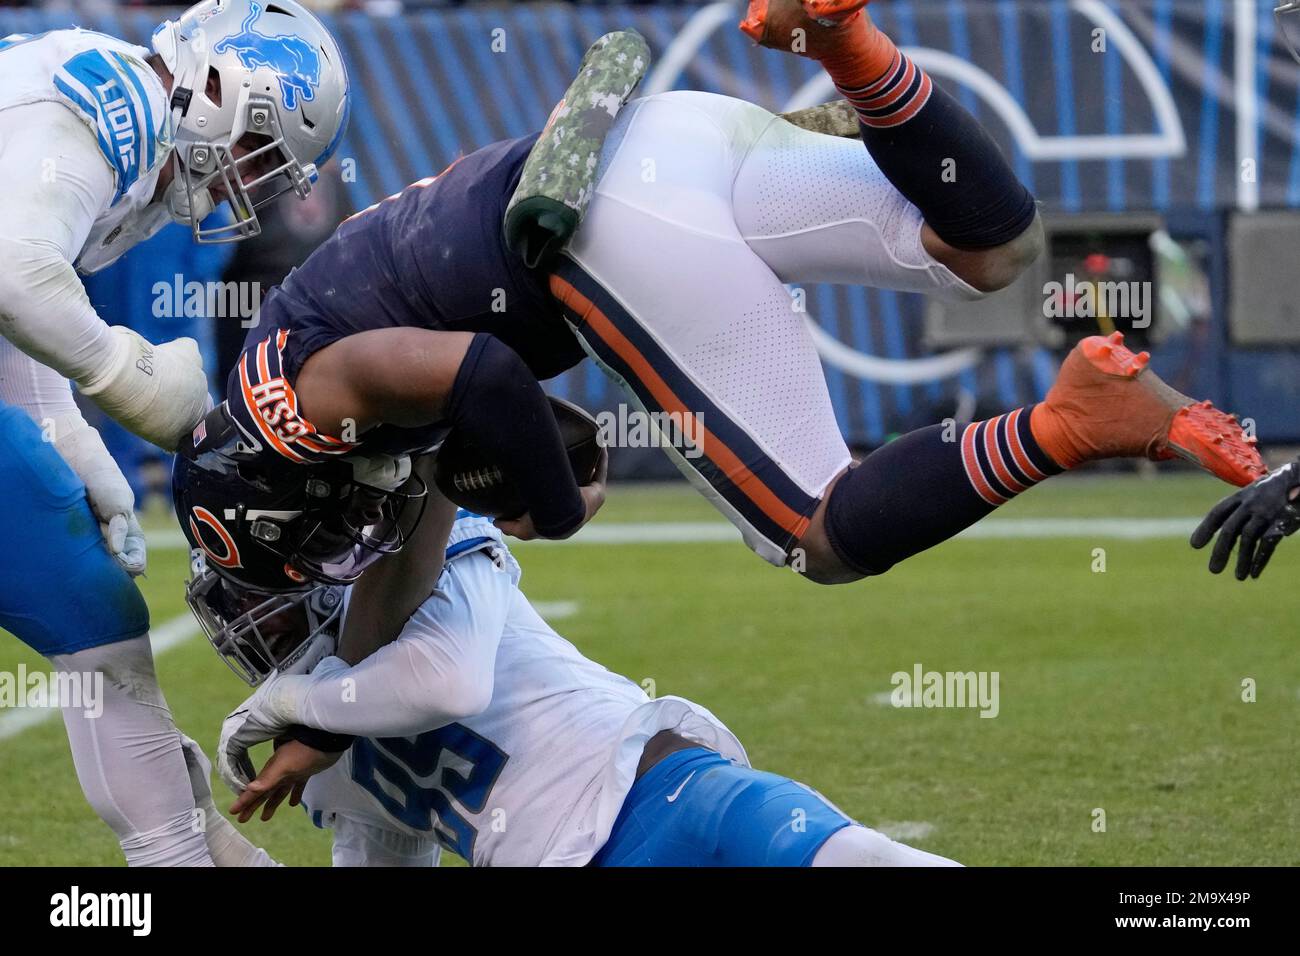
x,y
467,476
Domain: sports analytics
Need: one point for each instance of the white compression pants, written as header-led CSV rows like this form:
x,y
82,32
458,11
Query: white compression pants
x,y
705,208
129,761
861,846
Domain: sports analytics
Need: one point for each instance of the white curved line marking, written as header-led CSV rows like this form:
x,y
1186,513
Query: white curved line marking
x,y
685,45
1171,141
890,371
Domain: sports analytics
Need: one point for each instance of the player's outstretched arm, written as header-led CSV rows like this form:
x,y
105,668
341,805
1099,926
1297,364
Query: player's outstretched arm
x,y
472,382
441,669
1258,516
55,184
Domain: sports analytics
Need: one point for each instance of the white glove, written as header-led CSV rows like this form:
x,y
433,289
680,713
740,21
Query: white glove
x,y
227,846
255,720
111,498
200,771
157,391
272,709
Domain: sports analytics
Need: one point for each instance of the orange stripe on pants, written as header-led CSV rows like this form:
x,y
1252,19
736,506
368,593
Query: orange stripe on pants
x,y
736,471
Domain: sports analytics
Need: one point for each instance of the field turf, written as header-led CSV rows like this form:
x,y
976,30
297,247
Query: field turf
x,y
1120,691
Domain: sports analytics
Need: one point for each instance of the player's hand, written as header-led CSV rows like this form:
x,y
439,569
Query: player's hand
x,y
1258,516
199,768
593,497
157,391
255,721
285,775
111,500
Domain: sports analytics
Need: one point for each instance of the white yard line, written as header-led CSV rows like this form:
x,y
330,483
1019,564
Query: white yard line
x,y
907,831
707,532
556,610
169,634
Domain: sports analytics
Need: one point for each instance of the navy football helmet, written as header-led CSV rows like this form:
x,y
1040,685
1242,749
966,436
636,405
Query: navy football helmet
x,y
271,526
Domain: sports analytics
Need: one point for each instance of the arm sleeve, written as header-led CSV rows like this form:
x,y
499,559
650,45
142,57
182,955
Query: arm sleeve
x,y
440,669
55,184
498,402
37,389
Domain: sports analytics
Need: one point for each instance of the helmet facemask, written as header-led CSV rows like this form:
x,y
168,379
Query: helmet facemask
x,y
335,546
258,634
201,166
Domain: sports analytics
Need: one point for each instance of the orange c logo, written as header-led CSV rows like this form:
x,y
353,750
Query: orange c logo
x,y
231,557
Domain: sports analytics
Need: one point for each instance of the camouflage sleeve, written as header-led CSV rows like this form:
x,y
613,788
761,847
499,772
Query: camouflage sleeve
x,y
559,174
833,119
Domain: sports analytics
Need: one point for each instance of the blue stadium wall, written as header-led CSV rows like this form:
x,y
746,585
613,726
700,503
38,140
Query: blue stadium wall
x,y
1088,132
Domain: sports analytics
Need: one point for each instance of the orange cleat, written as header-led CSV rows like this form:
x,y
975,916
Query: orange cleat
x,y
772,23
1106,403
827,12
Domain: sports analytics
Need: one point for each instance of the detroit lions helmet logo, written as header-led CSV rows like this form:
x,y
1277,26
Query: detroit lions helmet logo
x,y
296,62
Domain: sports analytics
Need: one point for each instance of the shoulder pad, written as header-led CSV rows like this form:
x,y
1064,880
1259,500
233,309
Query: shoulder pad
x,y
108,88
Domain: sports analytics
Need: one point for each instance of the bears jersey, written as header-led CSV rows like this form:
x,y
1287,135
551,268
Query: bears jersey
x,y
433,256
539,777
109,86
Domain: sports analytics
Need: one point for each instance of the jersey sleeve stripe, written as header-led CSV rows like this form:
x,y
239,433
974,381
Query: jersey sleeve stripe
x,y
142,96
95,86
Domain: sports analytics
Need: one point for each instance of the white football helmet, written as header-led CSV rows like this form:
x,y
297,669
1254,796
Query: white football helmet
x,y
266,67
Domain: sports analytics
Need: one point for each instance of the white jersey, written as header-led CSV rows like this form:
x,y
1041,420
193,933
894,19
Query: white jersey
x,y
539,777
107,84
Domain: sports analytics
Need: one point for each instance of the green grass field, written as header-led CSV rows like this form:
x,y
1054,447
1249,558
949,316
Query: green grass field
x,y
1119,690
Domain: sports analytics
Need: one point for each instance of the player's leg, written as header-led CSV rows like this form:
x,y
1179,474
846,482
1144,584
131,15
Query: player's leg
x,y
65,597
932,483
668,296
980,220
670,301
861,846
696,808
674,303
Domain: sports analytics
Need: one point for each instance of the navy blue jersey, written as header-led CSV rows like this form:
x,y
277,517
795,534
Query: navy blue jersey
x,y
435,257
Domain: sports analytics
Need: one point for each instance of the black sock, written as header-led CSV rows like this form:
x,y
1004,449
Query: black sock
x,y
928,485
939,157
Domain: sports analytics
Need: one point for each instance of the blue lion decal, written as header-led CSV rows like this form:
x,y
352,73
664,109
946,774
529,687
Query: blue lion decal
x,y
290,56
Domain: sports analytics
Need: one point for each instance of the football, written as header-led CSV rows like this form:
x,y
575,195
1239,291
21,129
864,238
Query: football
x,y
468,477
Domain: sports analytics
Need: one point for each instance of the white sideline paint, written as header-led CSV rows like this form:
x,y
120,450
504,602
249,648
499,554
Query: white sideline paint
x,y
556,610
163,638
907,831
178,630
707,532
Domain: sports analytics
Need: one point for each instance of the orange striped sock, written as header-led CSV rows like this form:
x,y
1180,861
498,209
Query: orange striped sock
x,y
857,52
1002,457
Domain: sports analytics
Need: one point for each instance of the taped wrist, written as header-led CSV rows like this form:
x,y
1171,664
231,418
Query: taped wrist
x,y
503,410
317,739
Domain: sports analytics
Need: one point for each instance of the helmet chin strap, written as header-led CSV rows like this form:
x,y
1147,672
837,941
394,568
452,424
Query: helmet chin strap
x,y
178,200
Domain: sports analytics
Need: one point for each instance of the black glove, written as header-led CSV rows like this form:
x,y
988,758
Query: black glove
x,y
1260,515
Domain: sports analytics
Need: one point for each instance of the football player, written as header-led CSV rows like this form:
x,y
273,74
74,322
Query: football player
x,y
484,731
1258,516
102,143
416,316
